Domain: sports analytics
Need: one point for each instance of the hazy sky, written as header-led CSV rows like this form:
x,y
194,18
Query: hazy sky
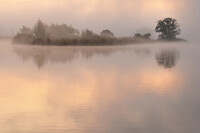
x,y
123,17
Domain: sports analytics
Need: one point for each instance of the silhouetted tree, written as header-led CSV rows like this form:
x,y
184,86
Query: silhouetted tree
x,y
140,36
25,35
137,35
89,37
26,31
107,34
62,31
147,36
40,30
88,34
168,29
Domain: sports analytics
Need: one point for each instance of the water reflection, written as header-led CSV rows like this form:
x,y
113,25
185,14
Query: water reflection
x,y
111,90
85,99
42,55
167,58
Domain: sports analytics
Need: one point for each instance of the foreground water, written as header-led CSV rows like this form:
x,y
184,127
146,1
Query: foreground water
x,y
151,88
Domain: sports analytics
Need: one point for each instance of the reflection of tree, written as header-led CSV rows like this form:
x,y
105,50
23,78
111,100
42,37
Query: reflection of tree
x,y
42,55
167,58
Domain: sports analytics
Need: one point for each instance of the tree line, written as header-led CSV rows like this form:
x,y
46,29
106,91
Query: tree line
x,y
63,34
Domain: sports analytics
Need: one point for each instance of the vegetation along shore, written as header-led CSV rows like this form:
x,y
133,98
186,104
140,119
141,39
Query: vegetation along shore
x,y
65,35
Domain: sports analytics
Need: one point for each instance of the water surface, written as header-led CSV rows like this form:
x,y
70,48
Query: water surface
x,y
151,88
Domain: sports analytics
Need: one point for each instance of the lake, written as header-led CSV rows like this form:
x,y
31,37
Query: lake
x,y
144,88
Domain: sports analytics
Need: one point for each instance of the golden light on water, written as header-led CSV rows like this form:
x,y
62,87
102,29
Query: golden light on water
x,y
26,94
21,95
73,93
160,81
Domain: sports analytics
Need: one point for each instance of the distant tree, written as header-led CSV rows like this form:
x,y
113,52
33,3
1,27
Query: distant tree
x,y
107,34
137,35
168,29
40,30
62,31
25,35
88,37
147,36
88,34
26,31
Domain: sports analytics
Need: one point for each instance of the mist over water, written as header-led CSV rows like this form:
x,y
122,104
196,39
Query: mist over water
x,y
102,89
99,66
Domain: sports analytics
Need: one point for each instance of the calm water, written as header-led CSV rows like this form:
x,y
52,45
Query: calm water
x,y
151,88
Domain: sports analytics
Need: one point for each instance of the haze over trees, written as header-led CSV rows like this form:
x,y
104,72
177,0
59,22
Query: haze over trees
x,y
63,34
140,36
40,30
62,31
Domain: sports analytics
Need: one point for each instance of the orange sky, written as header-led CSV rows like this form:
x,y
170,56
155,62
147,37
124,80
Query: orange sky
x,y
96,15
88,7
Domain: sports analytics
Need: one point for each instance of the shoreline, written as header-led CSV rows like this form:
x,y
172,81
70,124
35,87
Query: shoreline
x,y
135,42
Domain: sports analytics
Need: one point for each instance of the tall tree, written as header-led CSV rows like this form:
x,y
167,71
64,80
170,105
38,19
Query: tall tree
x,y
168,29
40,30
